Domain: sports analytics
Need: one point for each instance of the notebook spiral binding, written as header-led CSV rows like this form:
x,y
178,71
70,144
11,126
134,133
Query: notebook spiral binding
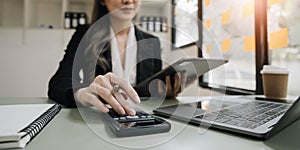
x,y
37,125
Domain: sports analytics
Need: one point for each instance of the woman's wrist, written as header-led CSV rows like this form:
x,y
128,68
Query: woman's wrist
x,y
78,95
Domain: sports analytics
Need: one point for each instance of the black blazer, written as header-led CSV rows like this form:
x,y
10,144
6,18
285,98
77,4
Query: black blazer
x,y
62,85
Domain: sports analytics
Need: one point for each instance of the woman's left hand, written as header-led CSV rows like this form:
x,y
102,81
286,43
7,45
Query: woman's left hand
x,y
180,82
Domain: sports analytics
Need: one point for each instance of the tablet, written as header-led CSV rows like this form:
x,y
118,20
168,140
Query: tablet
x,y
194,67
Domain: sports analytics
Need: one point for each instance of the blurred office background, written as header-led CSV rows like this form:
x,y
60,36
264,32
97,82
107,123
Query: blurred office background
x,y
34,35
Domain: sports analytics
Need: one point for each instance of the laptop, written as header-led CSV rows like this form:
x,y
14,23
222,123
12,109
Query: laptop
x,y
253,117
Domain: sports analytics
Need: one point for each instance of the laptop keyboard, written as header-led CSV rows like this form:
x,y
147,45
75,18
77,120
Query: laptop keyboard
x,y
248,115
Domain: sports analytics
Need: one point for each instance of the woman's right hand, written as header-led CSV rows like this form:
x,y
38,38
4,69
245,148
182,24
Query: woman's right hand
x,y
103,86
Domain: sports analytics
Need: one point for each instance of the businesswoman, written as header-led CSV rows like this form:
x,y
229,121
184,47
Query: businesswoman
x,y
124,56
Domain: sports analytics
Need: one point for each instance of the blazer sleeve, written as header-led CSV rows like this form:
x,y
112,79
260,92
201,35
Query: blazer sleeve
x,y
60,85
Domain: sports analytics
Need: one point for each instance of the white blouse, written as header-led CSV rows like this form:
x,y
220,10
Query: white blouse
x,y
129,71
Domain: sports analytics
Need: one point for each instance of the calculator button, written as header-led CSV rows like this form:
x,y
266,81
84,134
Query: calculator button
x,y
132,117
140,116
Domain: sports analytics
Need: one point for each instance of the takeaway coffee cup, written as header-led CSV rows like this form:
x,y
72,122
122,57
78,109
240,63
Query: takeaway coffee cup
x,y
275,81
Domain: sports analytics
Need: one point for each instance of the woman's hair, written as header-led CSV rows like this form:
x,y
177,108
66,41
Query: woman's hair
x,y
100,13
98,10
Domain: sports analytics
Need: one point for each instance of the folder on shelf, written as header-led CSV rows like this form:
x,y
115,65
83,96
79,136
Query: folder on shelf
x,y
21,123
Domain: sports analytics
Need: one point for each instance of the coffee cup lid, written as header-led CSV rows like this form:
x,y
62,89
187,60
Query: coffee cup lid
x,y
268,69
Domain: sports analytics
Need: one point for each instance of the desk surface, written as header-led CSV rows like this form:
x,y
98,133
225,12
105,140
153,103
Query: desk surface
x,y
68,130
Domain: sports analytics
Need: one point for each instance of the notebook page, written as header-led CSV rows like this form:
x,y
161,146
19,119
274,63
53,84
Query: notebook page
x,y
14,118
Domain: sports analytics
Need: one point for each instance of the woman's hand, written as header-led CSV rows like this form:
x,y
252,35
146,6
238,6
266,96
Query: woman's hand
x,y
180,82
103,86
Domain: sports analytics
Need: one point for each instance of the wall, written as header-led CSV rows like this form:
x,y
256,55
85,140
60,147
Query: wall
x,y
26,66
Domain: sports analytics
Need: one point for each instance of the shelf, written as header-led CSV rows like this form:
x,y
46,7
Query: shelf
x,y
158,8
43,13
81,6
9,17
29,19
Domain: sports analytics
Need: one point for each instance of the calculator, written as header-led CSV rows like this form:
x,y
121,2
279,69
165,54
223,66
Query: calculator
x,y
140,124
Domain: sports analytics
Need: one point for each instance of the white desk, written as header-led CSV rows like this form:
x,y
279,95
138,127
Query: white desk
x,y
69,131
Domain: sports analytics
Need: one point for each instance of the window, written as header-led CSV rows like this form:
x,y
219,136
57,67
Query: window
x,y
284,39
252,33
185,23
232,25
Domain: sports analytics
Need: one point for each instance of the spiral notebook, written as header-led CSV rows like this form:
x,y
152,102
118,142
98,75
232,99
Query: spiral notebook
x,y
21,123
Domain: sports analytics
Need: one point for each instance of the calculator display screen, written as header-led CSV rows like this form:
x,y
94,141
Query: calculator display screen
x,y
140,124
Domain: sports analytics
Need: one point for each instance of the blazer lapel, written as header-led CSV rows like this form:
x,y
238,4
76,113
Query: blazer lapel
x,y
144,56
